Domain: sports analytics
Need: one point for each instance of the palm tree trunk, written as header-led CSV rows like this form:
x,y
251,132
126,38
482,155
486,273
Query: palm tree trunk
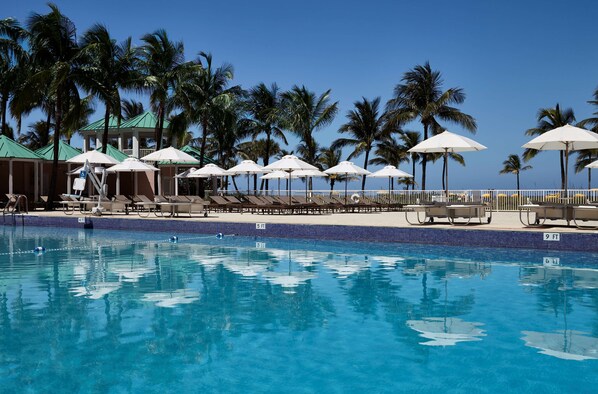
x,y
46,138
424,159
365,166
517,182
443,172
158,136
202,151
106,121
3,106
54,174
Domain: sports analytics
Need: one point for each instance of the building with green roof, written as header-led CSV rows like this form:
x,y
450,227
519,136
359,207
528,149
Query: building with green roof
x,y
128,135
65,152
19,169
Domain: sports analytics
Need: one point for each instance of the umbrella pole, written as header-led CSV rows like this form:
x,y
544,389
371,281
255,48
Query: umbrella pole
x,y
446,173
247,183
290,186
566,171
346,181
389,200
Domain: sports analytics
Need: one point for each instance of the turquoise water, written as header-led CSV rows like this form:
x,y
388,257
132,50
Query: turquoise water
x,y
120,312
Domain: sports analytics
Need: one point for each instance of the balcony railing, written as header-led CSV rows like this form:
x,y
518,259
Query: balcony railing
x,y
142,152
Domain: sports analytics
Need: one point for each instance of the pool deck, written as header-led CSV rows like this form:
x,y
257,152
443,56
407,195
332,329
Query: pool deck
x,y
505,230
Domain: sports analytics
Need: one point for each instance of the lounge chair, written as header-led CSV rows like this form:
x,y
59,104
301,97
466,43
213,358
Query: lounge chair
x,y
450,211
585,213
537,213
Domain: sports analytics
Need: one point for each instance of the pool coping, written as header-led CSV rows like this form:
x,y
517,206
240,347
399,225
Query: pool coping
x,y
553,240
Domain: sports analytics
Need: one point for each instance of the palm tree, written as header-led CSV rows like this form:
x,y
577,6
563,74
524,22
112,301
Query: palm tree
x,y
584,158
513,166
131,108
13,64
37,135
548,119
108,68
411,139
420,96
264,107
163,65
389,152
328,158
305,113
365,125
54,52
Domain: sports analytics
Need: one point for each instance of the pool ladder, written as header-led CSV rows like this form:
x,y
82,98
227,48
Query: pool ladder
x,y
17,204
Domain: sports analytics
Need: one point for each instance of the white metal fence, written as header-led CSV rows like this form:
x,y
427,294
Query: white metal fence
x,y
500,199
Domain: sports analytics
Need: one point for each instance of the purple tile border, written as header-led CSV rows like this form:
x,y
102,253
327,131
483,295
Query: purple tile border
x,y
585,242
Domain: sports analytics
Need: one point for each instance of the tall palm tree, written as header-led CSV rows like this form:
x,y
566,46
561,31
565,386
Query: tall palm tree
x,y
108,68
584,158
54,51
264,107
513,165
305,113
162,65
13,64
131,108
420,96
389,152
548,119
365,125
328,158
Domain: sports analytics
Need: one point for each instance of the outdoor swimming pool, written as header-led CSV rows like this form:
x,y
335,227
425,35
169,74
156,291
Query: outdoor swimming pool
x,y
109,311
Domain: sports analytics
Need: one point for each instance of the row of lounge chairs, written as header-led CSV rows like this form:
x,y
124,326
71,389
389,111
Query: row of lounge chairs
x,y
316,204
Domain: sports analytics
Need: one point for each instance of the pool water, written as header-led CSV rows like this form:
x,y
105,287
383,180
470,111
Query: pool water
x,y
120,312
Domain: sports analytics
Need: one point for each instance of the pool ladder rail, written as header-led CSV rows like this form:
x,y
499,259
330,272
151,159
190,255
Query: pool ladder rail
x,y
17,204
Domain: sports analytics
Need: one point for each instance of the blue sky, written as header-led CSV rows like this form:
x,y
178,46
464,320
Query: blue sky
x,y
510,57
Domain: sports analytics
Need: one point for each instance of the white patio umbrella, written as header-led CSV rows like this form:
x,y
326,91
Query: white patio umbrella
x,y
566,138
308,174
171,155
132,165
346,168
447,142
247,167
93,157
290,163
187,174
209,171
446,331
278,174
390,172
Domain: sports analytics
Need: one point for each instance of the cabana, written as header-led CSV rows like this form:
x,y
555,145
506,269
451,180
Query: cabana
x,y
19,169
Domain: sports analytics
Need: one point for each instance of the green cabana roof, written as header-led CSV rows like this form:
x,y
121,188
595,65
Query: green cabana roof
x,y
98,125
115,153
65,152
146,120
13,150
193,152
